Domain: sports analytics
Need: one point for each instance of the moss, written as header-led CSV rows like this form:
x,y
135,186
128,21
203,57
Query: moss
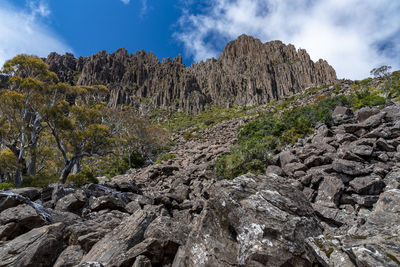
x,y
392,257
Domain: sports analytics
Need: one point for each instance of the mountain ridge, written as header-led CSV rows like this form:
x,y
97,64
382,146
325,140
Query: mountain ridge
x,y
247,72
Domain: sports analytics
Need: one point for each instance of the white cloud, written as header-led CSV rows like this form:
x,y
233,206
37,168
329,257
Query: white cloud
x,y
125,1
353,35
143,9
22,32
39,8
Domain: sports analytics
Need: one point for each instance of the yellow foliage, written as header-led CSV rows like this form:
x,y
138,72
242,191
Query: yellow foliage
x,y
7,159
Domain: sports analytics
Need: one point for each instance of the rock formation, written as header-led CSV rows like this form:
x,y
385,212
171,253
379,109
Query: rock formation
x,y
247,72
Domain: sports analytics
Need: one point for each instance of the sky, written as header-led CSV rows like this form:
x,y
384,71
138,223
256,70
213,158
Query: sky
x,y
354,36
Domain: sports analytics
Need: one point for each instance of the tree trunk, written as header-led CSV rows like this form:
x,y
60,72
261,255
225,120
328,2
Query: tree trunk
x,y
37,128
67,170
31,168
77,166
18,178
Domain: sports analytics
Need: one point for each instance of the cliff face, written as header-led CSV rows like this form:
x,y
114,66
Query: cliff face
x,y
247,72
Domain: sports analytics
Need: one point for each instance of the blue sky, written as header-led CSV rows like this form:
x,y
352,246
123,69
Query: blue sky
x,y
352,35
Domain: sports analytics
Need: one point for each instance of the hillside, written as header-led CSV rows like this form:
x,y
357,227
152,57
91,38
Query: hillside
x,y
283,176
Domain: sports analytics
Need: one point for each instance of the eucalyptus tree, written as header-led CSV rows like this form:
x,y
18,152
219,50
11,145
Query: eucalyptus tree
x,y
20,106
78,129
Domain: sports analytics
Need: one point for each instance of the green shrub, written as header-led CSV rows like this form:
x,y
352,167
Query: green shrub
x,y
6,186
176,121
40,180
236,164
82,178
164,157
367,98
261,138
122,164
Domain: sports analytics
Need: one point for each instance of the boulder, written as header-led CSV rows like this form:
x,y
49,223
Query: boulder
x,y
72,202
60,191
159,253
382,144
392,179
330,190
88,232
315,161
167,228
287,157
142,261
38,247
70,257
341,114
20,219
368,185
28,192
128,234
350,167
262,224
291,168
106,202
362,150
274,169
366,112
10,200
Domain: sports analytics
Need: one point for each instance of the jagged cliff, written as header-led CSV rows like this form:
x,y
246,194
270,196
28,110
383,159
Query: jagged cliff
x,y
247,72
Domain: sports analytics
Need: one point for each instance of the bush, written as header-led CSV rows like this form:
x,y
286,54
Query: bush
x,y
6,186
121,165
164,157
176,121
40,180
82,178
235,164
261,138
367,98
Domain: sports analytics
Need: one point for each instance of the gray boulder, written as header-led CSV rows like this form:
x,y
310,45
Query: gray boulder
x,y
366,112
368,185
341,114
19,220
128,234
70,257
350,167
38,247
264,223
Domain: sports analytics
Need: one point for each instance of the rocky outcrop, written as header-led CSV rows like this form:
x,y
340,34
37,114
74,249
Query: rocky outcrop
x,y
247,72
332,199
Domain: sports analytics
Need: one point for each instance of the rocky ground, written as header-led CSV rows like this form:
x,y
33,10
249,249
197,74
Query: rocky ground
x,y
333,200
